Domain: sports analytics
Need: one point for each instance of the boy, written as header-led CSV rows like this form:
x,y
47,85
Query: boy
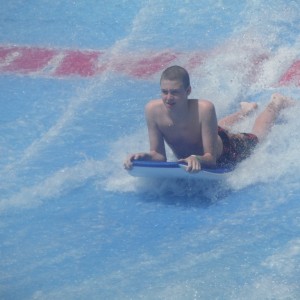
x,y
190,127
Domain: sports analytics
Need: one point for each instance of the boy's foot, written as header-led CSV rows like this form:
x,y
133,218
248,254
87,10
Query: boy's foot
x,y
280,101
248,107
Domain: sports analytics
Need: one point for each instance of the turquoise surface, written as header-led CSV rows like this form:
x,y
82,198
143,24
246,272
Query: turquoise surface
x,y
75,225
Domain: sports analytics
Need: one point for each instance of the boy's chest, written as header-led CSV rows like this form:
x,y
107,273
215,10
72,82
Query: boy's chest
x,y
187,132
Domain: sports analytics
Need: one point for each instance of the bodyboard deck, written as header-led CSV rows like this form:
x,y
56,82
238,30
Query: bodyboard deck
x,y
154,169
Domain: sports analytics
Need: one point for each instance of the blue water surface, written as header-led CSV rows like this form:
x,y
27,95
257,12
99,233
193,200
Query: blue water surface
x,y
75,225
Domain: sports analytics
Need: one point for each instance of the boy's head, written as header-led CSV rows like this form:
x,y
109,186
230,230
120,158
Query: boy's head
x,y
176,73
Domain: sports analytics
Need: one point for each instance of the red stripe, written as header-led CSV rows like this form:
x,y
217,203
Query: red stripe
x,y
84,63
292,75
4,52
24,60
153,63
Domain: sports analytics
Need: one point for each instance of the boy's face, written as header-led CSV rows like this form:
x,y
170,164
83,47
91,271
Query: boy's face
x,y
174,94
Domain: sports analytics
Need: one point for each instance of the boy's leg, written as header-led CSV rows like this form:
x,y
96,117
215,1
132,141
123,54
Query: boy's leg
x,y
266,119
246,109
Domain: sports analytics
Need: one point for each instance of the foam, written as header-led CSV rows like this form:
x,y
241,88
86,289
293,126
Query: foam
x,y
267,287
276,159
285,261
54,186
204,252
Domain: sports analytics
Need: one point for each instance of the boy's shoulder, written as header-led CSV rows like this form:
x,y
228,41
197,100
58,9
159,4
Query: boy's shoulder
x,y
203,103
206,104
153,104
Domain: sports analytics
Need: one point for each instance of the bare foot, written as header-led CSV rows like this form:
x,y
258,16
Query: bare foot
x,y
248,107
280,101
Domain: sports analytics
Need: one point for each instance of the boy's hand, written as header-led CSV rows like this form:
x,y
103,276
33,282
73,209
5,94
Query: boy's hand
x,y
131,158
193,164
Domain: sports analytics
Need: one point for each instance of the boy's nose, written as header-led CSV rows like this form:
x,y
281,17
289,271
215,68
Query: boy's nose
x,y
169,96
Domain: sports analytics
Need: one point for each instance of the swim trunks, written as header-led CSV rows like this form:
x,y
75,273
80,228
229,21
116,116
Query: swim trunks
x,y
236,147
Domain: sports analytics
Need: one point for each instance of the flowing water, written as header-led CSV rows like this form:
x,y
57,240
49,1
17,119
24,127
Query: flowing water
x,y
74,224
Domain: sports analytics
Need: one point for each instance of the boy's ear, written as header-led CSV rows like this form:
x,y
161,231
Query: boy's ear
x,y
189,90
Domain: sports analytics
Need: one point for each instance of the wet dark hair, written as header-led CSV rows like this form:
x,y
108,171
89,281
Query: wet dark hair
x,y
176,73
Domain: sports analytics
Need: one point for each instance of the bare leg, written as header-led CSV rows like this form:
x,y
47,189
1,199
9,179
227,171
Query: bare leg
x,y
246,109
266,119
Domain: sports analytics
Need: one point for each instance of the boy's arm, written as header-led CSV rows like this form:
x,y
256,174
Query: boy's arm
x,y
156,140
157,147
209,132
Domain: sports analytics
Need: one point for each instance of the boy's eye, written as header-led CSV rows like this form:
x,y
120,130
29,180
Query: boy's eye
x,y
173,92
